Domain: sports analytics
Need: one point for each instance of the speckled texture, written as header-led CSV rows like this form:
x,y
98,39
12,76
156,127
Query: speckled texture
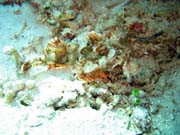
x,y
109,52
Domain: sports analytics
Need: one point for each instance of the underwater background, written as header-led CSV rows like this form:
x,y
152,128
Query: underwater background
x,y
86,67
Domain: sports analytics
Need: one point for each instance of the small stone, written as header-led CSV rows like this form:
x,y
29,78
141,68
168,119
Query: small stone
x,y
141,118
111,54
8,50
3,79
1,92
142,94
156,93
7,86
51,21
103,108
66,31
99,101
9,97
69,96
82,102
103,61
30,84
154,109
24,97
67,15
18,85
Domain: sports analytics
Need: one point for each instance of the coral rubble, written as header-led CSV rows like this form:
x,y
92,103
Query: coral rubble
x,y
104,54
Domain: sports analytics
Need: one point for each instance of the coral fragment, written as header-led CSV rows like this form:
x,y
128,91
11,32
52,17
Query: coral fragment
x,y
56,51
137,27
55,66
94,37
97,74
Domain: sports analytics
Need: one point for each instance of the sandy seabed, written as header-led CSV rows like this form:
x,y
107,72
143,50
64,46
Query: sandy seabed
x,y
23,29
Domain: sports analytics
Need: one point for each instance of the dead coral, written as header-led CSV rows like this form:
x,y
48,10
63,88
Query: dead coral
x,y
12,2
97,74
94,37
56,51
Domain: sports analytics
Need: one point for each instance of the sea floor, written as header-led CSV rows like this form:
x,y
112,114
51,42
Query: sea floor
x,y
32,109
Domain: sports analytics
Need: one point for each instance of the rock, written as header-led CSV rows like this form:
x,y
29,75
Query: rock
x,y
18,85
65,16
29,84
8,50
1,92
141,118
7,86
56,51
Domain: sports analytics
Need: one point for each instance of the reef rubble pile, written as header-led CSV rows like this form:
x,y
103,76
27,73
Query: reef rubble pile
x,y
103,55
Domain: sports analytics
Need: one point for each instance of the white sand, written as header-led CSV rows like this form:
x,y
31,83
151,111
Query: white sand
x,y
15,120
